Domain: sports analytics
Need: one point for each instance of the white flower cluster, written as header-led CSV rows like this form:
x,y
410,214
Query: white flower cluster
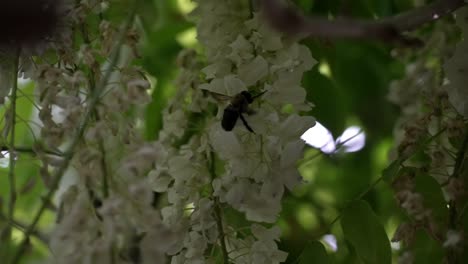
x,y
431,123
205,170
456,67
106,215
259,166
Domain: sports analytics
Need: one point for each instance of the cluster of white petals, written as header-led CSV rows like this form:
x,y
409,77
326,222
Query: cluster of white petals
x,y
126,200
258,166
106,214
432,122
180,198
206,171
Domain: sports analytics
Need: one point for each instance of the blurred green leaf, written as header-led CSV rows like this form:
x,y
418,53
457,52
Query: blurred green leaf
x,y
363,229
159,57
5,241
314,252
154,110
379,8
434,199
426,250
362,71
331,105
305,5
326,7
24,110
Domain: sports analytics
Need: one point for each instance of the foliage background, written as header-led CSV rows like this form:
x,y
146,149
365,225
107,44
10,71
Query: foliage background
x,y
348,86
352,92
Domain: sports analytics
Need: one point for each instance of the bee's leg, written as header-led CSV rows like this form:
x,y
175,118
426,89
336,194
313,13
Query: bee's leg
x,y
246,124
250,111
260,94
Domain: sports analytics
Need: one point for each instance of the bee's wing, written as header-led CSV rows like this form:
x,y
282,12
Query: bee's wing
x,y
219,97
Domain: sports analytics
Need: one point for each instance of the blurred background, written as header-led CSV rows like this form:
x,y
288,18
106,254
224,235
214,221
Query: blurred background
x,y
348,87
348,149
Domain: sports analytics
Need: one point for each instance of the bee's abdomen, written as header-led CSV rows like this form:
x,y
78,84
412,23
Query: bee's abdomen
x,y
230,117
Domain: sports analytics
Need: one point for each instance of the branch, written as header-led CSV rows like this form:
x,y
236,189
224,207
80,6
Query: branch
x,y
92,83
22,227
30,150
459,164
461,155
218,212
413,19
12,163
222,235
289,21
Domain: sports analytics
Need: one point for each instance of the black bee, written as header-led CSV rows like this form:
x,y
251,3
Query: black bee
x,y
239,104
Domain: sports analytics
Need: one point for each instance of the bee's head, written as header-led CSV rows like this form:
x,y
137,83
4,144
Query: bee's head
x,y
247,96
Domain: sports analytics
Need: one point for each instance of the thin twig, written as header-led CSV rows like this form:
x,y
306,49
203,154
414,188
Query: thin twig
x,y
222,236
30,150
461,155
338,147
218,211
291,22
453,212
92,84
371,187
462,213
22,227
338,217
362,194
94,99
413,19
11,150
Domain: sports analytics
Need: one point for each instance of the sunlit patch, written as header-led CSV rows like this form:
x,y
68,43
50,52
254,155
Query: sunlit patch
x,y
23,81
324,69
395,245
285,228
186,6
287,109
4,159
139,123
189,208
187,38
324,196
17,235
330,240
306,217
353,139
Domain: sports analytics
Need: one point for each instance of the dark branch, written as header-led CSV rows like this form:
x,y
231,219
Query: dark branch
x,y
413,19
31,150
289,21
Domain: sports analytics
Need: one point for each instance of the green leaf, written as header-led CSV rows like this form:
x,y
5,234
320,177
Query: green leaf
x,y
314,252
154,110
331,103
24,110
362,228
305,5
426,250
5,241
431,191
363,88
379,8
